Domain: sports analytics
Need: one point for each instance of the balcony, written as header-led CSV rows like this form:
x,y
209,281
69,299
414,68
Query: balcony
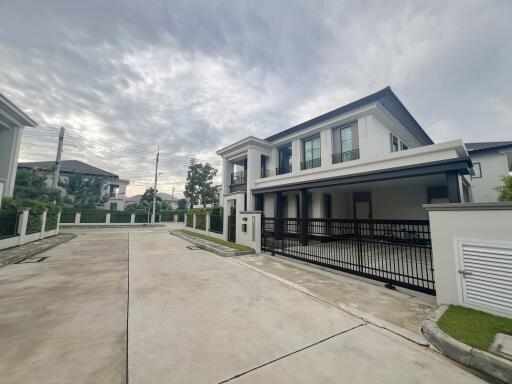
x,y
238,181
345,156
283,169
314,163
265,173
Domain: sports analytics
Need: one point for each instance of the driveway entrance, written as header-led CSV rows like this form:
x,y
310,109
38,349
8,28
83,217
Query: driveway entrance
x,y
118,305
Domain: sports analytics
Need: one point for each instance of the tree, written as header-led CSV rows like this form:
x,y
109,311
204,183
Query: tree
x,y
146,201
87,192
182,204
30,184
199,184
505,190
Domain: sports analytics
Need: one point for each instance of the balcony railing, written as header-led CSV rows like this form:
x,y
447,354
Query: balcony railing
x,y
265,173
238,178
345,156
283,169
310,164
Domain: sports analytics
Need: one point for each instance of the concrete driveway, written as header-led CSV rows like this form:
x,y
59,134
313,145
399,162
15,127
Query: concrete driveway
x,y
180,315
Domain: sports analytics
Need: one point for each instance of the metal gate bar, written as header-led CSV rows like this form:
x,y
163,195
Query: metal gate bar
x,y
397,252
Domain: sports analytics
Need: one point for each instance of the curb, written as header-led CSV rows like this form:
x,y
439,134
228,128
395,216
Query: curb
x,y
208,247
492,365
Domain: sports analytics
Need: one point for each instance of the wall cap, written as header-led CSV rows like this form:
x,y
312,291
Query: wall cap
x,y
499,206
251,212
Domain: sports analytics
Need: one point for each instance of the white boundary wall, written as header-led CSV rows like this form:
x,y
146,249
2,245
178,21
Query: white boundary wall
x,y
22,237
487,224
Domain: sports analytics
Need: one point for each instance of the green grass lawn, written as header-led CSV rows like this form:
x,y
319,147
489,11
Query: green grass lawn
x,y
238,247
472,327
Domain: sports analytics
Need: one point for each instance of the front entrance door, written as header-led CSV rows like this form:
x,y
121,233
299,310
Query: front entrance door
x,y
362,205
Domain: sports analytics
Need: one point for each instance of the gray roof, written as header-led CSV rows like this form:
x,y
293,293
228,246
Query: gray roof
x,y
386,97
12,116
488,146
68,166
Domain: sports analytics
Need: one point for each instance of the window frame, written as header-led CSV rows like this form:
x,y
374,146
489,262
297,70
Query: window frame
x,y
347,128
479,169
279,161
392,143
311,139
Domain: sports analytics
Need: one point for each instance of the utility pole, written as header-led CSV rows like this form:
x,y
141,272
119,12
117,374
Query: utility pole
x,y
57,160
156,178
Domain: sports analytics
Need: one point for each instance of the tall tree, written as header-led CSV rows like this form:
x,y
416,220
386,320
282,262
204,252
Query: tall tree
x,y
31,184
182,204
505,190
86,191
146,201
199,185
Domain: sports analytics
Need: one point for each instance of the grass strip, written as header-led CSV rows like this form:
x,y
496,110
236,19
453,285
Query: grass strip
x,y
238,247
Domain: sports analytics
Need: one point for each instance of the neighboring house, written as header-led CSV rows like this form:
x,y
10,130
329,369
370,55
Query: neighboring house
x,y
167,198
114,188
12,121
491,161
367,159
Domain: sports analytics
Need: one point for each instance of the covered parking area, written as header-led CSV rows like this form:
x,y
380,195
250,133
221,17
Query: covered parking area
x,y
371,224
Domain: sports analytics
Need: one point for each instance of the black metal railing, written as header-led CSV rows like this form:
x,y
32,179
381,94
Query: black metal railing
x,y
314,163
397,252
283,169
217,223
265,173
238,178
8,223
345,156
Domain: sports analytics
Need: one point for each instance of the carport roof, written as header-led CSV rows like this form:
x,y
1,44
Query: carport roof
x,y
460,165
12,116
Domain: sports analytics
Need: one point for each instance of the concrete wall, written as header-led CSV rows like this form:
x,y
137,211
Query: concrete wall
x,y
400,203
494,166
469,221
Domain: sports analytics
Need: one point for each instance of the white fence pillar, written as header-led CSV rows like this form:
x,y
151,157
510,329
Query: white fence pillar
x,y
58,222
43,223
185,219
194,221
175,218
207,222
77,217
107,218
132,218
248,231
22,224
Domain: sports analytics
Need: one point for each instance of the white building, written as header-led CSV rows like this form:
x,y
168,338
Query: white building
x,y
12,121
491,161
369,159
113,187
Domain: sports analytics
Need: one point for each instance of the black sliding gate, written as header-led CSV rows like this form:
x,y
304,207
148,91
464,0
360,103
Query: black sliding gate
x,y
397,252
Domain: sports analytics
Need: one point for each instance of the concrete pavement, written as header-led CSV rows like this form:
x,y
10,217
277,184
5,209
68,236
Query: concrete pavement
x,y
190,317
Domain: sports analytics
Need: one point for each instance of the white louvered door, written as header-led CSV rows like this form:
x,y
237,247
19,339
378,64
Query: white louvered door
x,y
485,275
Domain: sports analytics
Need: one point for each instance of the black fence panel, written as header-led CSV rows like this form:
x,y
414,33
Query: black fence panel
x,y
217,223
397,252
8,223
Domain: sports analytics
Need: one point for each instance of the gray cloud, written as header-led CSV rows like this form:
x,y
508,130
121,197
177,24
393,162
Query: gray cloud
x,y
193,76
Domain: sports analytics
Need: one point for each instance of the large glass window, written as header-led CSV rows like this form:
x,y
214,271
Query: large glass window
x,y
311,152
477,168
285,159
346,139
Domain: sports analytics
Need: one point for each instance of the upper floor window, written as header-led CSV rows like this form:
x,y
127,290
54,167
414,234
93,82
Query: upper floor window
x,y
346,139
345,146
285,159
311,149
403,146
394,143
477,168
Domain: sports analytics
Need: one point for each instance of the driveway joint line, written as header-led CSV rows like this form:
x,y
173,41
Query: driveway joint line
x,y
291,353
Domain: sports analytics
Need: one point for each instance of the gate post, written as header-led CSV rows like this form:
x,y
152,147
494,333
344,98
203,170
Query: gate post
x,y
304,216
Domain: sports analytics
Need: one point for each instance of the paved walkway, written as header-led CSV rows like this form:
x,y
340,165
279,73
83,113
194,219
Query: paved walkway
x,y
193,317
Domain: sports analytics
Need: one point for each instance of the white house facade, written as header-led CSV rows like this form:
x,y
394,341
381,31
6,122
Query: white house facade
x,y
362,171
113,188
12,121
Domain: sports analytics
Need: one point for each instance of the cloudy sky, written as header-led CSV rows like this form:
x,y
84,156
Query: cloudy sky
x,y
192,76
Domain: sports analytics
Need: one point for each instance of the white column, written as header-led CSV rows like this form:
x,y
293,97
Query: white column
x,y
207,222
58,222
175,218
77,217
326,147
253,173
22,224
107,218
43,223
194,221
132,218
296,155
13,161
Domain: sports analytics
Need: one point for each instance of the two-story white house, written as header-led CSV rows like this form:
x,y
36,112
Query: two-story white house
x,y
113,188
367,159
346,188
